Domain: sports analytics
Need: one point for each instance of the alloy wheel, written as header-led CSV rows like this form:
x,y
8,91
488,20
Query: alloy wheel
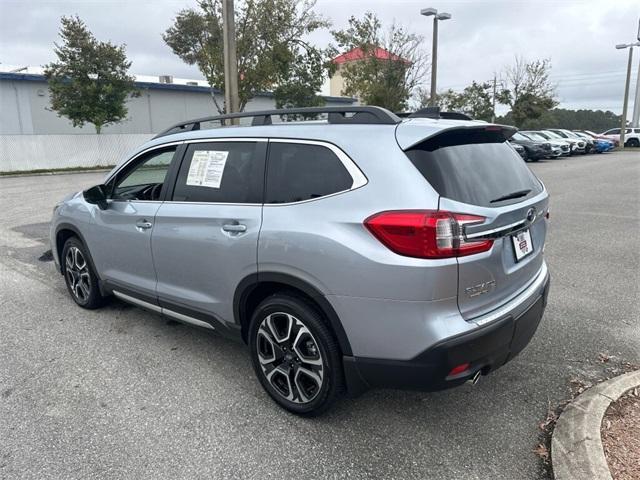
x,y
77,273
290,357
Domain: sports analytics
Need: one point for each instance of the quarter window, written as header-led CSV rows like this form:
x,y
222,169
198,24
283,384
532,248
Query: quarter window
x,y
221,172
298,172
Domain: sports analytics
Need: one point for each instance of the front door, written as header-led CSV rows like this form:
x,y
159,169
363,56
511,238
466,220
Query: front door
x,y
205,236
122,232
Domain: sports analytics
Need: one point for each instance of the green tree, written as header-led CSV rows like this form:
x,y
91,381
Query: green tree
x,y
387,82
475,100
90,82
594,120
272,52
527,89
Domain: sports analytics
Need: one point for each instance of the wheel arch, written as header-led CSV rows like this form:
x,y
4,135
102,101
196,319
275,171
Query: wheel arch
x,y
64,232
256,287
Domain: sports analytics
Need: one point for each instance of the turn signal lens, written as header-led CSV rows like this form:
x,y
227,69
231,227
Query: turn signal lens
x,y
426,233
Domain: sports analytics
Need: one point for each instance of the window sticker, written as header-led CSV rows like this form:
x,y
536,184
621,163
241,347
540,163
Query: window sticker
x,y
207,168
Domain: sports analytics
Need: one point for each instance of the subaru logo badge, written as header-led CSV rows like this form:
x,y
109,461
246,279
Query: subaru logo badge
x,y
531,214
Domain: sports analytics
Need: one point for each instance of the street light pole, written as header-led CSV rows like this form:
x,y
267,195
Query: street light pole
x,y
434,49
434,61
625,103
635,119
623,128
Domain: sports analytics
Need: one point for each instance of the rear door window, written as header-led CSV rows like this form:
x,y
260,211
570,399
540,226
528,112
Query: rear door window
x,y
299,171
474,168
221,172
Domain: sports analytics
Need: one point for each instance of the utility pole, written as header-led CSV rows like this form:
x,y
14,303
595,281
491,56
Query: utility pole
x,y
434,49
493,109
231,100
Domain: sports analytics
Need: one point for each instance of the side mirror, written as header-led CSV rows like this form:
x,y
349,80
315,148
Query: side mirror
x,y
97,196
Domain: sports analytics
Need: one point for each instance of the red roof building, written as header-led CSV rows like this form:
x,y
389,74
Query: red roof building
x,y
358,54
336,82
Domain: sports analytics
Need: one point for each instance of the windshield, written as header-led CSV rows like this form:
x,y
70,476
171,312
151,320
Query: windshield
x,y
535,136
549,134
519,136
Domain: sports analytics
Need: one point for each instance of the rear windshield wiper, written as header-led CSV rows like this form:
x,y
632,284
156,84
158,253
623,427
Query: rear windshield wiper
x,y
509,196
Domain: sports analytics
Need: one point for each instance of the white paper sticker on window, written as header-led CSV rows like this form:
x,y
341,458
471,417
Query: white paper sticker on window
x,y
207,168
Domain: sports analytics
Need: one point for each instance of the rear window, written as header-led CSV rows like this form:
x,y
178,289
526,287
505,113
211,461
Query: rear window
x,y
475,168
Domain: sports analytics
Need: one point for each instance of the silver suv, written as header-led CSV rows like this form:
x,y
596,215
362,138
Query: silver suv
x,y
358,251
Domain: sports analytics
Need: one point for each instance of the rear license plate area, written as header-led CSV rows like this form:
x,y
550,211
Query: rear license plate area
x,y
522,244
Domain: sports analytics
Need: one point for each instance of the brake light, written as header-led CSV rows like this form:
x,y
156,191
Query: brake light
x,y
426,233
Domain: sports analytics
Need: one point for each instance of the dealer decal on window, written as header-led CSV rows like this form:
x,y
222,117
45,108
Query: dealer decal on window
x,y
207,168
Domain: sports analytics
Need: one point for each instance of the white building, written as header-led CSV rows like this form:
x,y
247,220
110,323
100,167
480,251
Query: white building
x,y
163,101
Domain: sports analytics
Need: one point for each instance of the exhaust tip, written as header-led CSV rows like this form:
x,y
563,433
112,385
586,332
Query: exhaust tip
x,y
476,378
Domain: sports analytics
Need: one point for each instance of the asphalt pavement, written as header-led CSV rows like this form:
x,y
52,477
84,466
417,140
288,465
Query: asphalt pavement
x,y
122,393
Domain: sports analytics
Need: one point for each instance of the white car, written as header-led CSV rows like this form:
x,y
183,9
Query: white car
x,y
631,136
558,147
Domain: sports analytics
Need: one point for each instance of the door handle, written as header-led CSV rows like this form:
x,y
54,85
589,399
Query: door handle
x,y
143,224
234,228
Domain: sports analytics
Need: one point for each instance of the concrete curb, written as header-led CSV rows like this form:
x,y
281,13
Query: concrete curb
x,y
576,446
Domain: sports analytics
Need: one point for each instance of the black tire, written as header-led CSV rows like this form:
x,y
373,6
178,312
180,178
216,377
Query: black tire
x,y
300,394
633,142
81,280
525,157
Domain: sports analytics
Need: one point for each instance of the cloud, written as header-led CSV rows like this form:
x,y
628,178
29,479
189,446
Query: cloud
x,y
481,38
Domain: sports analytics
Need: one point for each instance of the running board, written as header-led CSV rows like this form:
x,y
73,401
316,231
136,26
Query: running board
x,y
163,311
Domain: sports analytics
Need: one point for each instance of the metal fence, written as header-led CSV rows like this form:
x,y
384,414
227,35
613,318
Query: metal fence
x,y
20,153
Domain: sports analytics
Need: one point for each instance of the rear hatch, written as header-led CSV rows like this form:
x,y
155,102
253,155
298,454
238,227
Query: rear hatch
x,y
476,173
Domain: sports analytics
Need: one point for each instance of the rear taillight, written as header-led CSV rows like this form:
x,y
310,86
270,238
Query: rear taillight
x,y
426,233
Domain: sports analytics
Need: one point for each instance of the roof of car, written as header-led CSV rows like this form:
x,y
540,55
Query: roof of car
x,y
408,132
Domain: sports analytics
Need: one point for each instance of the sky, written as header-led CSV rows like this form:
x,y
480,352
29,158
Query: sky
x,y
483,36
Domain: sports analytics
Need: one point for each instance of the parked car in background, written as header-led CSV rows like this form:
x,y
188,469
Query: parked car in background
x,y
560,143
579,145
599,136
598,145
631,136
556,149
415,261
520,149
534,150
552,135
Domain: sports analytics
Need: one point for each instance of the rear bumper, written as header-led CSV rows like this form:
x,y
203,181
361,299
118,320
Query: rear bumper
x,y
485,349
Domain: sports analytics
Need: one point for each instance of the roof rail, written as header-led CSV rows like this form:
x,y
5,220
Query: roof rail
x,y
361,115
434,112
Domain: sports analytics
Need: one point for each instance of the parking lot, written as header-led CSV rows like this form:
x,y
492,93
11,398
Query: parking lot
x,y
122,393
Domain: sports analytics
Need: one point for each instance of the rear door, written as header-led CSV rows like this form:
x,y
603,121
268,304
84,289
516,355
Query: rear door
x,y
477,173
205,236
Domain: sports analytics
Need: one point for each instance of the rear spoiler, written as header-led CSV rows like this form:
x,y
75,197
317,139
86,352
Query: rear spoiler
x,y
411,133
